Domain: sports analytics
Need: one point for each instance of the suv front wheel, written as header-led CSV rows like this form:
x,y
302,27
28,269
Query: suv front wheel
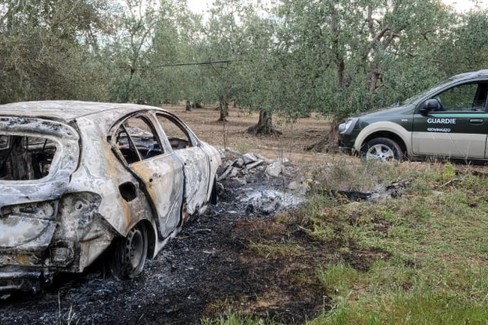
x,y
382,149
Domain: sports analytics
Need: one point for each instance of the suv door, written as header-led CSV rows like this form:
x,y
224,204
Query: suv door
x,y
453,123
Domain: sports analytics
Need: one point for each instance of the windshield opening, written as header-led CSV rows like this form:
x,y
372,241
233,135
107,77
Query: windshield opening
x,y
416,97
25,157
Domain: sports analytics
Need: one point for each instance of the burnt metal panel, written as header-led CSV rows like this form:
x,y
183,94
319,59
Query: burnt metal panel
x,y
64,162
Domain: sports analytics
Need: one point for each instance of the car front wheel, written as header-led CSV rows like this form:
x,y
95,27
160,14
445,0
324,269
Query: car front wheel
x,y
382,149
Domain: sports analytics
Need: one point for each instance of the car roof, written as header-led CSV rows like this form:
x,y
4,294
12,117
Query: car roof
x,y
69,110
471,74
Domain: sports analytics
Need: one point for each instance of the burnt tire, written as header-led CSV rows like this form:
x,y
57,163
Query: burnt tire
x,y
382,149
130,253
213,195
184,216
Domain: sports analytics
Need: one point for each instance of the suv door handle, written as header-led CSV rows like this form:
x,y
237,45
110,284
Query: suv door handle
x,y
476,121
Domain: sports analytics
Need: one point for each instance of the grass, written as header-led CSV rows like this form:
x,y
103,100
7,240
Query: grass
x,y
423,257
438,253
235,319
276,250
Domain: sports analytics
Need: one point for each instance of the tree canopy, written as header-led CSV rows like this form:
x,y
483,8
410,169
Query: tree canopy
x,y
293,57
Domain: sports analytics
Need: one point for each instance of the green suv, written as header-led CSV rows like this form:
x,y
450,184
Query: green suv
x,y
449,121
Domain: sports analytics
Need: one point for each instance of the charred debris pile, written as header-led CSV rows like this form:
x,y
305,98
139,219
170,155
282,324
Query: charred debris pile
x,y
252,185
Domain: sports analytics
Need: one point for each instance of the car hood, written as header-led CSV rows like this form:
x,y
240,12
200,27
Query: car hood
x,y
63,164
386,112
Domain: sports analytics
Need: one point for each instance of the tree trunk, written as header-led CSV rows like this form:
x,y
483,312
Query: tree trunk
x,y
328,143
224,109
128,86
265,124
373,77
336,48
188,106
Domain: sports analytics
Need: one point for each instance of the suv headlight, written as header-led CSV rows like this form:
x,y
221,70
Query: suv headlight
x,y
346,127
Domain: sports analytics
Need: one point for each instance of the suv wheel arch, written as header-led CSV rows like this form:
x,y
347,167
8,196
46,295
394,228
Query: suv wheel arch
x,y
387,129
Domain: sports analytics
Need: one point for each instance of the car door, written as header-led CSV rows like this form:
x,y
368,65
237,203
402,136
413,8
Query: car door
x,y
160,173
195,160
457,126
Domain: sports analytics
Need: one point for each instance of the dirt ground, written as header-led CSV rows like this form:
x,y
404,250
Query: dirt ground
x,y
233,134
213,266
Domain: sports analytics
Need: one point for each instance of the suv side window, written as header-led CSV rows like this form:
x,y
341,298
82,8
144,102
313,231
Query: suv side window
x,y
467,97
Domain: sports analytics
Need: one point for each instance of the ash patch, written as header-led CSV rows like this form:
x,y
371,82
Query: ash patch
x,y
254,186
380,194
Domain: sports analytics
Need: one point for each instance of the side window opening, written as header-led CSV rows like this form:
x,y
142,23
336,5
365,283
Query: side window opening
x,y
479,102
136,140
466,97
178,137
25,157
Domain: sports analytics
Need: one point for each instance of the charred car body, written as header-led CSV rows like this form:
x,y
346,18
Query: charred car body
x,y
78,179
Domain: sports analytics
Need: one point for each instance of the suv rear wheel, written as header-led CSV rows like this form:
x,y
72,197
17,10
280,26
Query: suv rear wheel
x,y
382,149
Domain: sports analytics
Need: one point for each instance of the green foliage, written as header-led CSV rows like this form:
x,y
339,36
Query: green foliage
x,y
348,52
292,57
469,39
235,319
48,49
448,172
338,279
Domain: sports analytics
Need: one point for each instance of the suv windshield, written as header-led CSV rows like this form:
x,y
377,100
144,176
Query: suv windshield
x,y
414,98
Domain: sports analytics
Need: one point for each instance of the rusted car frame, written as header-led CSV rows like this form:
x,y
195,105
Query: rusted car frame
x,y
82,179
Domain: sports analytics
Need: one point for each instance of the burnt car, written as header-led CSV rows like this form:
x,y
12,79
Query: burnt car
x,y
82,179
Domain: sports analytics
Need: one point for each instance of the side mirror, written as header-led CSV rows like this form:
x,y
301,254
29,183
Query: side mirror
x,y
430,105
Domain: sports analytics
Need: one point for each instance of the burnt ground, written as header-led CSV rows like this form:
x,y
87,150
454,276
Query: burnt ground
x,y
207,270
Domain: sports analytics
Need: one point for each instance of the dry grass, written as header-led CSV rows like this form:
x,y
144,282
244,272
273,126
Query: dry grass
x,y
233,134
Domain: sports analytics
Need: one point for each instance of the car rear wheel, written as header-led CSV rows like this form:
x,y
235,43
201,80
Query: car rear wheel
x,y
382,149
130,254
213,195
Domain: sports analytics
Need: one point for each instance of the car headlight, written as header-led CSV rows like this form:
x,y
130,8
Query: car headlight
x,y
45,210
27,227
346,127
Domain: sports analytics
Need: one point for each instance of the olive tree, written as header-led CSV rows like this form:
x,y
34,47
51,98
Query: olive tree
x,y
47,48
465,48
221,52
174,59
349,56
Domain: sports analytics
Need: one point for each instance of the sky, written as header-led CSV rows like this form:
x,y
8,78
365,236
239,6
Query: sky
x,y
199,6
465,5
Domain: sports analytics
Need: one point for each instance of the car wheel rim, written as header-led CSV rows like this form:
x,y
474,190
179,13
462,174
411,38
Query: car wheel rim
x,y
380,152
135,251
